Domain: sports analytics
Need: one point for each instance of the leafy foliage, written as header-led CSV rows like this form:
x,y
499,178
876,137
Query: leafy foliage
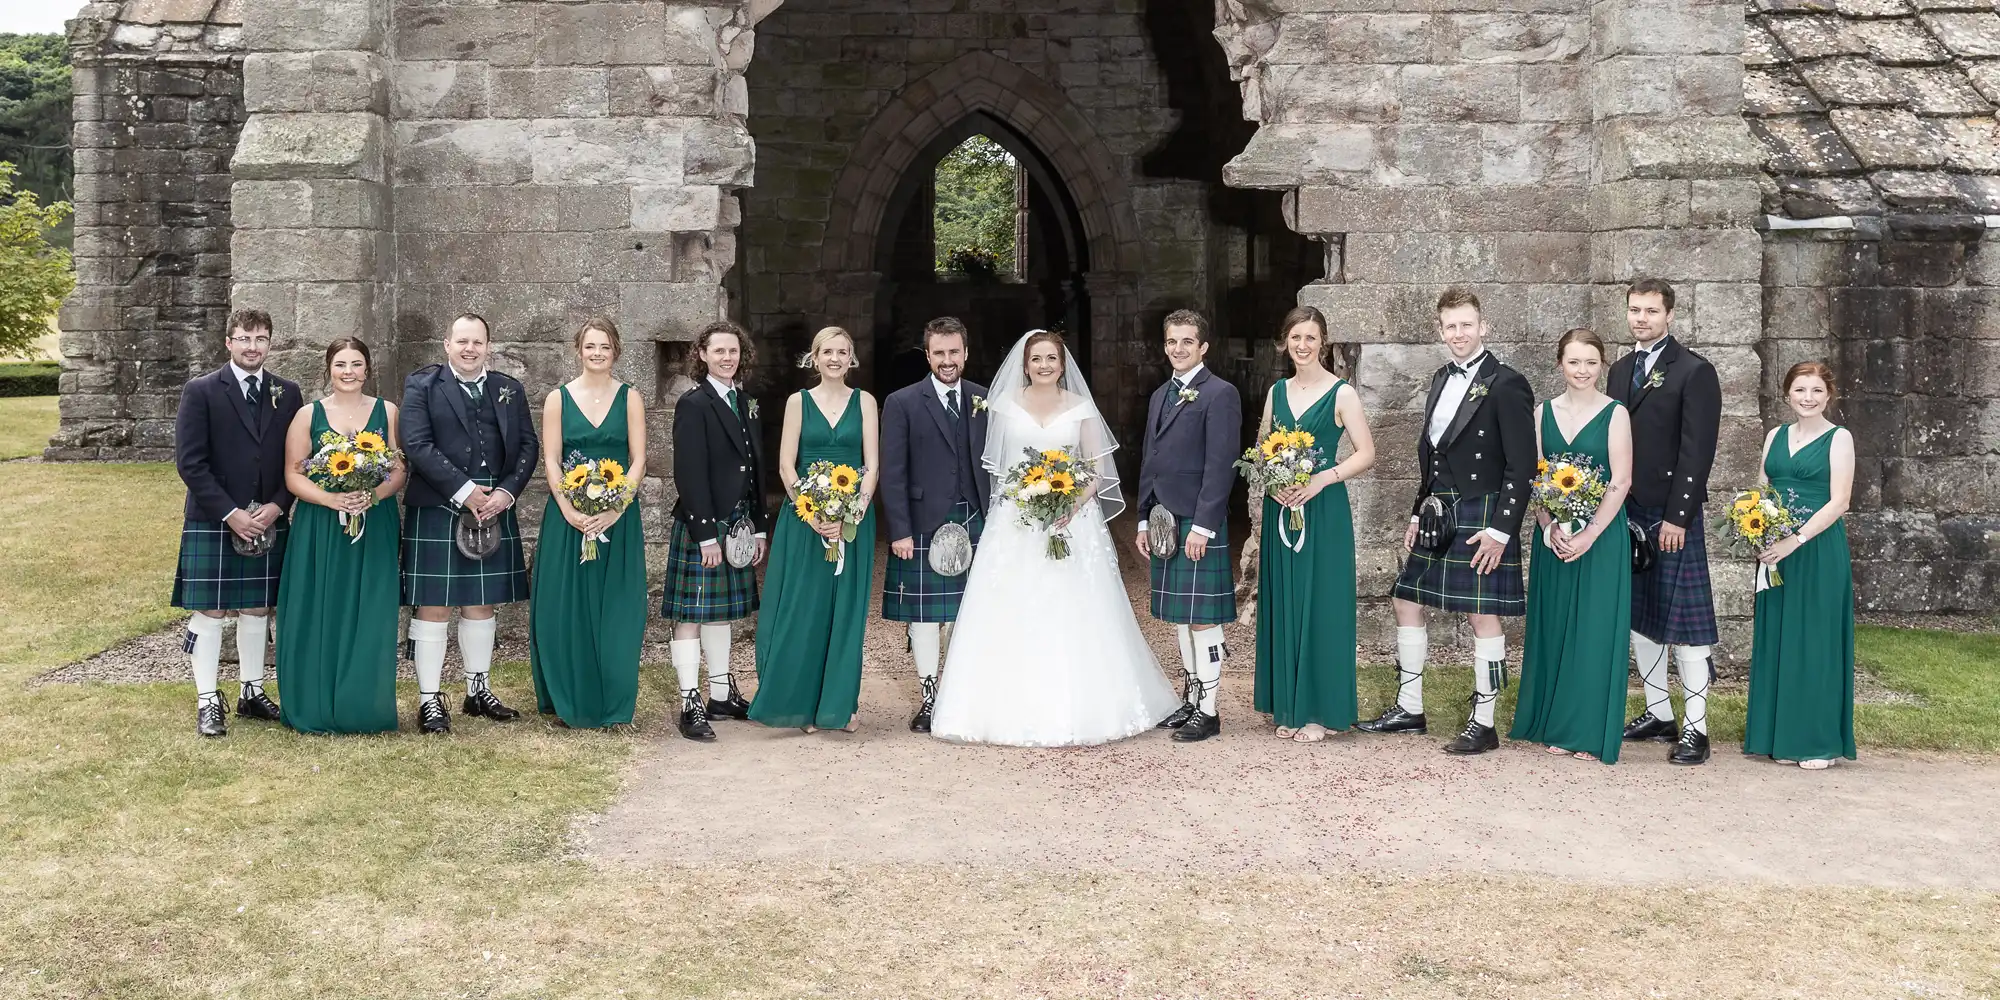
x,y
34,114
34,276
975,195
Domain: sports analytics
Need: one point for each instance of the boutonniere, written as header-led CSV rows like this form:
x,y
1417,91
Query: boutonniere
x,y
752,409
978,404
505,395
274,397
1189,395
1656,380
1477,391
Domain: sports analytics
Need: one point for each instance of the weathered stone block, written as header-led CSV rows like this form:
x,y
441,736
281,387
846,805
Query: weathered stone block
x,y
1431,258
1715,255
1285,156
666,311
1428,209
663,90
330,310
476,209
314,81
1634,85
624,34
478,152
1640,204
720,153
1731,202
1511,38
1726,313
1555,92
548,93
439,89
1677,147
303,25
1460,93
1666,27
1341,94
1559,258
289,146
306,255
502,35
1550,155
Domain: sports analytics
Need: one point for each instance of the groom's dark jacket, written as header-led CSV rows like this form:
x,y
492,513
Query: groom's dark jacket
x,y
930,463
1191,449
1676,417
229,450
448,438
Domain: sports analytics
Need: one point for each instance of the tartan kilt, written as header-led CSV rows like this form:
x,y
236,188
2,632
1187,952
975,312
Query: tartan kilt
x,y
695,593
436,574
212,577
913,592
1673,603
1195,593
1448,581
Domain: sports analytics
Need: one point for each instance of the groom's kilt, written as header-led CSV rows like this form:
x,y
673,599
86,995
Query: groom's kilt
x,y
436,574
1195,593
914,592
212,577
695,593
1449,582
1672,603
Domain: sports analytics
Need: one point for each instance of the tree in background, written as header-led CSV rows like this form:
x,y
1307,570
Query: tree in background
x,y
34,116
34,276
974,192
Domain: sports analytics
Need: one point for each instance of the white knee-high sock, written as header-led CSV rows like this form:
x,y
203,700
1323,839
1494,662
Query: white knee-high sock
x,y
926,647
715,649
1652,660
253,633
1208,653
686,654
1185,635
1413,646
1489,654
1693,664
475,644
427,641
206,656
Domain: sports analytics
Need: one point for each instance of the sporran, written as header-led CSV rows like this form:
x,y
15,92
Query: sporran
x,y
1644,552
1434,525
475,540
258,547
739,544
1163,532
951,549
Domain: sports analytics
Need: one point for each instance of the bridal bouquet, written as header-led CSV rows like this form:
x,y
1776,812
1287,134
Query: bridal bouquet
x,y
1756,520
352,463
595,487
1285,458
829,492
1046,486
1569,487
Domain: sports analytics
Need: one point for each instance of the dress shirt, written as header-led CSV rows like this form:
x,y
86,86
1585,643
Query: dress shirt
x,y
1185,378
465,385
1456,385
723,389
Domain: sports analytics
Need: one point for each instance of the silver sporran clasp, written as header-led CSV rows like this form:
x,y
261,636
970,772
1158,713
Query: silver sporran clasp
x,y
1163,531
476,540
739,544
951,549
258,547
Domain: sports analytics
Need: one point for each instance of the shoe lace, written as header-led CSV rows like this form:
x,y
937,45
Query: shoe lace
x,y
697,709
1471,730
211,709
929,687
432,708
1688,736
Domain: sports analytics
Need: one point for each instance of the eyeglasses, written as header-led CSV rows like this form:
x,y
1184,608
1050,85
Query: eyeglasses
x,y
264,341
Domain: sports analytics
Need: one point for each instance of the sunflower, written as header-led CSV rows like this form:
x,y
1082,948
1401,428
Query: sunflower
x,y
1035,474
1567,479
1752,524
1062,483
340,463
1055,455
845,478
613,473
1746,503
1301,439
575,478
369,442
1541,467
1273,444
805,507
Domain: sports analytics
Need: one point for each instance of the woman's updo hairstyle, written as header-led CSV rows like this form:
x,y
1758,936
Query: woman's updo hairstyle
x,y
1817,369
604,326
348,344
1039,336
1580,335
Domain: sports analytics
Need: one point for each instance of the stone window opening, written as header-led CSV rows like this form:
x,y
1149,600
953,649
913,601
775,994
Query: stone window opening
x,y
979,213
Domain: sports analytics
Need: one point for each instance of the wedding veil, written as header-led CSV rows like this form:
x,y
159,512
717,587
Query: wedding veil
x,y
1011,429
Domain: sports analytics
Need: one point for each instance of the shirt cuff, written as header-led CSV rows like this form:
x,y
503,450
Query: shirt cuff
x,y
710,543
1499,536
458,499
758,535
232,513
1199,530
1414,519
510,497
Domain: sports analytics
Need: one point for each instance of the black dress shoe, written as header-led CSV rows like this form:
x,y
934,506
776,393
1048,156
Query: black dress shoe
x,y
431,715
1395,720
209,718
483,703
1692,749
1475,739
693,722
921,722
1648,726
1188,708
255,704
732,707
1198,727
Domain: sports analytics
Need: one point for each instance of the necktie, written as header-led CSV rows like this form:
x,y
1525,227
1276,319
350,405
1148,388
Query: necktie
x,y
476,390
1178,385
1639,369
250,393
951,402
731,397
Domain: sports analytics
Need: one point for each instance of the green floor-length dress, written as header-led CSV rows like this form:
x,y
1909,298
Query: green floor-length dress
x,y
810,629
338,608
1802,660
1579,628
586,619
1305,599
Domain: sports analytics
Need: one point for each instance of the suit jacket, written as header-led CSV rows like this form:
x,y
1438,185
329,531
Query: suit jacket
x,y
1674,429
1191,448
718,458
441,445
920,456
229,452
1489,446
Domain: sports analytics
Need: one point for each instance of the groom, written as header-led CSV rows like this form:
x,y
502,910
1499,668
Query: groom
x,y
933,434
1193,426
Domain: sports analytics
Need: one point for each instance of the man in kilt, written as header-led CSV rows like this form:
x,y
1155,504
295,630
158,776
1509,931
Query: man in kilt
x,y
719,471
1194,424
1675,399
1476,456
470,441
933,434
229,447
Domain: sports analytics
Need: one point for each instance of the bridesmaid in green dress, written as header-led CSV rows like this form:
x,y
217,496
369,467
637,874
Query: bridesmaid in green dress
x,y
810,629
339,598
587,619
1802,663
1305,604
1573,670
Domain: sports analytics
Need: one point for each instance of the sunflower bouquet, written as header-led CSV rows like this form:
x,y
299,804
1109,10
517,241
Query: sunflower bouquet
x,y
1285,458
1570,487
596,487
1046,486
1757,519
351,463
832,492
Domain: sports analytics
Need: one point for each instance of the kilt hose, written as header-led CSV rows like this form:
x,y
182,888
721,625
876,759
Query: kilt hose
x,y
1673,603
914,592
1448,581
437,575
212,577
1195,593
695,593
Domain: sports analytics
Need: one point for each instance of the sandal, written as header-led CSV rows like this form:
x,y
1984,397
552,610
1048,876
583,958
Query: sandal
x,y
1285,733
1815,765
1580,755
1554,751
1311,732
853,725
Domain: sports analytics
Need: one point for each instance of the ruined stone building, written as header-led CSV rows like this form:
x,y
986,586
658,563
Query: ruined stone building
x,y
1818,177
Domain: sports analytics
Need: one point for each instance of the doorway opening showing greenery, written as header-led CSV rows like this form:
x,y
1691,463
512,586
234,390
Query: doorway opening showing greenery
x,y
980,212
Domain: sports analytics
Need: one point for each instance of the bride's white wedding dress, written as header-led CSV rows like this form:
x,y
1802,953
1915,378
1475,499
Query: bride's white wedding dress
x,y
1047,652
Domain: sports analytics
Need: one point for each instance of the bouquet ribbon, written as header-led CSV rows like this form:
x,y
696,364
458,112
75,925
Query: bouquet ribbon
x,y
354,525
589,546
836,553
1295,516
1767,577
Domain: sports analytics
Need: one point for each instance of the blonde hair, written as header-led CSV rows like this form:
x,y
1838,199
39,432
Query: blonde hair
x,y
825,336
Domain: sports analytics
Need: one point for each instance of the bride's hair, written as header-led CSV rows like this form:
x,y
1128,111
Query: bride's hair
x,y
1039,336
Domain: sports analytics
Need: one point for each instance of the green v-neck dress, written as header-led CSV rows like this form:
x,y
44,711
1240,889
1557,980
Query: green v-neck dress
x,y
1574,660
810,628
1802,659
1305,598
586,620
338,609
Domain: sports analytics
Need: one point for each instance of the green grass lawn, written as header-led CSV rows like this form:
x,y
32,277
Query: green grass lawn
x,y
25,425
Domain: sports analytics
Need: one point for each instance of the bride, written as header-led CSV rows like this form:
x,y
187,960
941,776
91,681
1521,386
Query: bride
x,y
1046,651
